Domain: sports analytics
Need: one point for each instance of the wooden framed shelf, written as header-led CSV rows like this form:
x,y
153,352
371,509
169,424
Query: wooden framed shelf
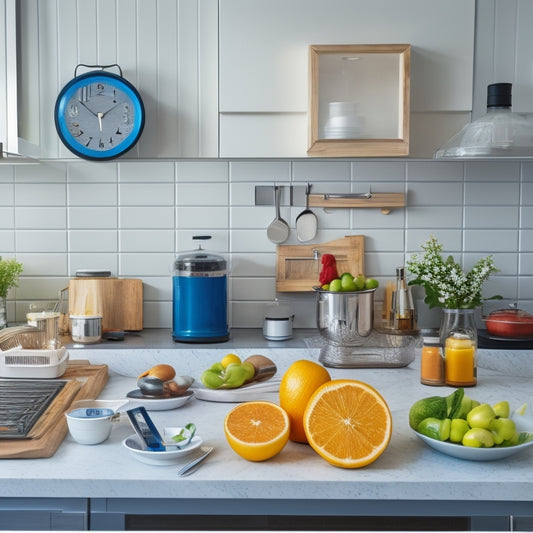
x,y
386,201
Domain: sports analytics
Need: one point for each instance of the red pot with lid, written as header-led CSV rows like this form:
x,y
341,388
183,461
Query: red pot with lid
x,y
510,323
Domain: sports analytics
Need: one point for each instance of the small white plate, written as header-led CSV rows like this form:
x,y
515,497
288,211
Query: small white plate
x,y
254,391
153,403
135,446
473,454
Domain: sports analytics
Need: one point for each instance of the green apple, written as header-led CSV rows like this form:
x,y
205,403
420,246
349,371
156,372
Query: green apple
x,y
335,285
504,427
235,375
478,438
347,283
481,416
459,427
502,409
371,283
359,282
211,379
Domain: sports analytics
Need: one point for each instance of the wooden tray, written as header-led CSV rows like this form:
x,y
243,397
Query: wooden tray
x,y
85,381
298,266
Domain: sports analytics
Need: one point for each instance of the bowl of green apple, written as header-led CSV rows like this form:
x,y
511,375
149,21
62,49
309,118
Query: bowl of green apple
x,y
462,427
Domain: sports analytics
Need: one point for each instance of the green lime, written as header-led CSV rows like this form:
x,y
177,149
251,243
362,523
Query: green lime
x,y
434,406
359,282
347,283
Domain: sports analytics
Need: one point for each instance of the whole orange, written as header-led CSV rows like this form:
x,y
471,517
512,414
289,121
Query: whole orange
x,y
297,385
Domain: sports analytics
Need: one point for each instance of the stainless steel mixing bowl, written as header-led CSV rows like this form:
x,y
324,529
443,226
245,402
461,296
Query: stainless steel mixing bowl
x,y
345,318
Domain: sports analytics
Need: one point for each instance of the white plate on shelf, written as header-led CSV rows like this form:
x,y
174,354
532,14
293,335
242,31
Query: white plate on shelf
x,y
135,447
153,403
254,391
473,454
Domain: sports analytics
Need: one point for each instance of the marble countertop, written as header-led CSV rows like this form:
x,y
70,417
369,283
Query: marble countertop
x,y
407,470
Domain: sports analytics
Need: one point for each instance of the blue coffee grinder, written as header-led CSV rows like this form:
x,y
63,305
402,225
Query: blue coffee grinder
x,y
199,296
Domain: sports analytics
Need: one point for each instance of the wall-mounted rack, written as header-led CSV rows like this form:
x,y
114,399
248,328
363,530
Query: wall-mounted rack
x,y
295,195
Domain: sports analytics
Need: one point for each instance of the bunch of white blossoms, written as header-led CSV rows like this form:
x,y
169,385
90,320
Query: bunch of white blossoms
x,y
445,283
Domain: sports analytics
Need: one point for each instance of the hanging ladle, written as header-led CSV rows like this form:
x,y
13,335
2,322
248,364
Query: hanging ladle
x,y
278,230
306,221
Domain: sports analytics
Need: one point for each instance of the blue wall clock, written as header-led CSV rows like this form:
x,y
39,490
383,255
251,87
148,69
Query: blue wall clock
x,y
99,115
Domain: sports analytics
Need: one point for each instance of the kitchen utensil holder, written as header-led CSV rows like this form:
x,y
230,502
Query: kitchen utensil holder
x,y
295,195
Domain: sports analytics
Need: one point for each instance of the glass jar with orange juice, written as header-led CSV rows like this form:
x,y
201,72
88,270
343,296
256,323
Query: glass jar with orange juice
x,y
458,336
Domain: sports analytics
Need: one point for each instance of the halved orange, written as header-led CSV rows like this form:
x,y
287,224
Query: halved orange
x,y
257,430
348,423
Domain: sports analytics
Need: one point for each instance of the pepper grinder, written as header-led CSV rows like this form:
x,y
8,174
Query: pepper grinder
x,y
403,313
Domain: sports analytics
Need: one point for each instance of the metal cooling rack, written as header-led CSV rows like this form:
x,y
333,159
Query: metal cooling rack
x,y
22,402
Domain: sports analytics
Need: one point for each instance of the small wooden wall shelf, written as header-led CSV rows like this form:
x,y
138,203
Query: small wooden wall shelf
x,y
384,200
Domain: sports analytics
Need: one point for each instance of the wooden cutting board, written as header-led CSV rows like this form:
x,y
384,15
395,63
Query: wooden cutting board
x,y
85,381
298,266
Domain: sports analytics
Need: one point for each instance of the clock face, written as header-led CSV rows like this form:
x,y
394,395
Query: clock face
x,y
99,116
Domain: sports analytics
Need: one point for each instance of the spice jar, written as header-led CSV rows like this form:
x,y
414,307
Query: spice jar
x,y
432,363
458,336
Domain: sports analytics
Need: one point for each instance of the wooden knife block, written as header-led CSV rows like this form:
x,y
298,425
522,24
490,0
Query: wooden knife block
x,y
119,301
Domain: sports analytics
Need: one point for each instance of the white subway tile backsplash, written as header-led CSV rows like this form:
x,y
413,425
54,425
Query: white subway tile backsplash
x,y
7,217
505,171
202,194
29,241
427,170
203,218
434,217
146,194
96,194
45,194
92,172
146,217
146,171
202,171
491,216
257,171
491,193
44,264
7,242
7,174
92,217
435,193
93,241
40,217
317,171
491,240
138,265
7,193
378,171
135,217
157,240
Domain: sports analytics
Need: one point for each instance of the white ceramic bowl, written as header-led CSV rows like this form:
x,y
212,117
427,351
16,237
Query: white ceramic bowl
x,y
473,454
136,448
90,425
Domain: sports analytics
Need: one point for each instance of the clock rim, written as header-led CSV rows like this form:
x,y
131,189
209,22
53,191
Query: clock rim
x,y
66,94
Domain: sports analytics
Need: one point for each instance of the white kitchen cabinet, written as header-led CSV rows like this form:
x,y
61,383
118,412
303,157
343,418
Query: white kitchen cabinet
x,y
168,49
264,61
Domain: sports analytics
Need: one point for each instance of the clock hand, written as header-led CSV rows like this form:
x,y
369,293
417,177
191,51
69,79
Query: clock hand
x,y
100,115
88,108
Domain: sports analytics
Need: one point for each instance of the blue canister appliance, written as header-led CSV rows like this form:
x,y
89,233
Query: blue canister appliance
x,y
199,297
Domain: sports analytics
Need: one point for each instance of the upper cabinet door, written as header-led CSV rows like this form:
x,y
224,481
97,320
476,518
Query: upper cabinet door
x,y
168,49
264,45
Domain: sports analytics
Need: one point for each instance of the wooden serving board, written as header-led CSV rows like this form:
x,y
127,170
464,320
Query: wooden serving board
x,y
298,266
85,381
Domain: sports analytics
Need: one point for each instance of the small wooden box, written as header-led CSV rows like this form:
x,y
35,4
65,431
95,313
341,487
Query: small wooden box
x,y
119,301
298,266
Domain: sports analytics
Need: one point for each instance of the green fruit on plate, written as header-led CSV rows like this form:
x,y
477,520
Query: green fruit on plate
x,y
480,416
458,429
434,406
478,438
435,428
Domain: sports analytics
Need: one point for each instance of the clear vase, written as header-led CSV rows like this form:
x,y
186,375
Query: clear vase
x,y
458,336
3,313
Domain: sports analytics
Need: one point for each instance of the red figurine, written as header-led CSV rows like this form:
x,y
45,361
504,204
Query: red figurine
x,y
329,269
